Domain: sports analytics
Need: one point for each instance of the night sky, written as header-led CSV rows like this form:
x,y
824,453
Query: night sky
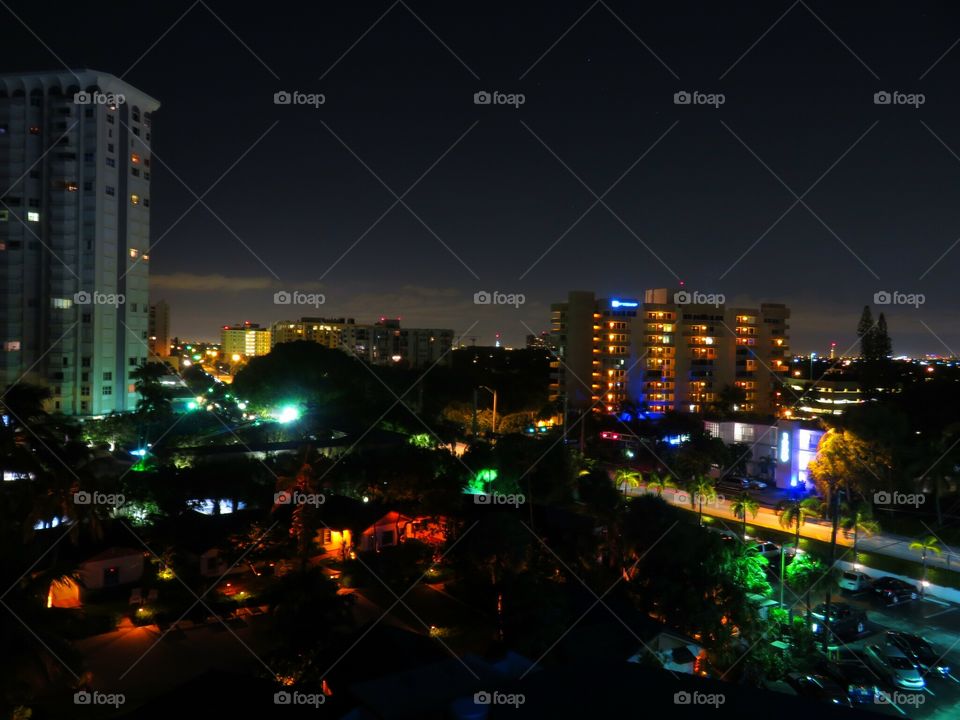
x,y
399,81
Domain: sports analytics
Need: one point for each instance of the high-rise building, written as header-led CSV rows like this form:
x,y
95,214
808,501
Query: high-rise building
x,y
248,340
159,329
74,235
667,353
696,348
599,342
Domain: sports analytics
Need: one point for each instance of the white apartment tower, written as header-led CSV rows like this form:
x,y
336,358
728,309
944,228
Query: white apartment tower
x,y
74,236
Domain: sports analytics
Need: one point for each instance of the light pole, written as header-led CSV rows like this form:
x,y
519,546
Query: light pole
x,y
493,422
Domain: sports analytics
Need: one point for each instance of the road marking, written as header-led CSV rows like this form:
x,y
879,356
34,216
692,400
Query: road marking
x,y
942,612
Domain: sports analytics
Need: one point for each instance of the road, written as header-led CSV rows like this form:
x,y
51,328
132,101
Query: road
x,y
881,543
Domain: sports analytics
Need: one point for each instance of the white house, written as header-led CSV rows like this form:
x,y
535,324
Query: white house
x,y
113,567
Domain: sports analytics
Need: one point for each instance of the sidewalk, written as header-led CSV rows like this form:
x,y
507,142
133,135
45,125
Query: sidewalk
x,y
881,543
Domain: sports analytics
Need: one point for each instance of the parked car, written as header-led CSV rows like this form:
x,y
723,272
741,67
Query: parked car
x,y
818,687
894,591
854,581
756,485
859,681
920,651
844,619
894,663
768,550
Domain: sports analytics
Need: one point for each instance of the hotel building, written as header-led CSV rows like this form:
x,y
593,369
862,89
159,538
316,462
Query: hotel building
x,y
599,342
693,351
666,352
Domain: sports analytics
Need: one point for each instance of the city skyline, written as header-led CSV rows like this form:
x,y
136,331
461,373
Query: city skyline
x,y
416,359
703,193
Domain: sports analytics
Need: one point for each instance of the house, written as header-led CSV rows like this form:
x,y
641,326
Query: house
x,y
113,567
394,528
342,520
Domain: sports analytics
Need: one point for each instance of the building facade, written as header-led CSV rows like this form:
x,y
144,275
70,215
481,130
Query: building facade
x,y
666,353
74,236
598,357
694,351
328,332
247,340
159,329
382,343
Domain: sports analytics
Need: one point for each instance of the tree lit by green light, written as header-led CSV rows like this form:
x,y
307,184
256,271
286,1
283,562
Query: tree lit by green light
x,y
422,440
479,483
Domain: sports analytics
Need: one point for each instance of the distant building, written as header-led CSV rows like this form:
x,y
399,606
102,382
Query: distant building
x,y
159,329
324,331
382,343
248,339
74,236
544,341
416,347
812,394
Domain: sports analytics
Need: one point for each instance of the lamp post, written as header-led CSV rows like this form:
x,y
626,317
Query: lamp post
x,y
493,422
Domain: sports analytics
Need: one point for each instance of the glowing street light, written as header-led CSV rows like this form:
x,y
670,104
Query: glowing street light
x,y
287,414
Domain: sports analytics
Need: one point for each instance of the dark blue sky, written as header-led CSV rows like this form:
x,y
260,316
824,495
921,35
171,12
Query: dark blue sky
x,y
399,81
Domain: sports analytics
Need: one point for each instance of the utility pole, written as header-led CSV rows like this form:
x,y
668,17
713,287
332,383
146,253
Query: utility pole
x,y
835,515
493,422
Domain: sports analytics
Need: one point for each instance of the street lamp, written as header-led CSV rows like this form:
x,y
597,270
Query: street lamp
x,y
493,422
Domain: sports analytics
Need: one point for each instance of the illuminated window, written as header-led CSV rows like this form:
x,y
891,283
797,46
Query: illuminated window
x,y
72,187
134,252
134,199
34,130
134,158
61,303
11,345
33,216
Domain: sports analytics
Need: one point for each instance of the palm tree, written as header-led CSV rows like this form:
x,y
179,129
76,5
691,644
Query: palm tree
x,y
925,545
794,512
290,488
701,488
742,504
154,398
625,477
661,482
858,518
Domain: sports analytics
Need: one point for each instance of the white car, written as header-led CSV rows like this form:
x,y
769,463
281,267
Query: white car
x,y
854,581
891,660
768,550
